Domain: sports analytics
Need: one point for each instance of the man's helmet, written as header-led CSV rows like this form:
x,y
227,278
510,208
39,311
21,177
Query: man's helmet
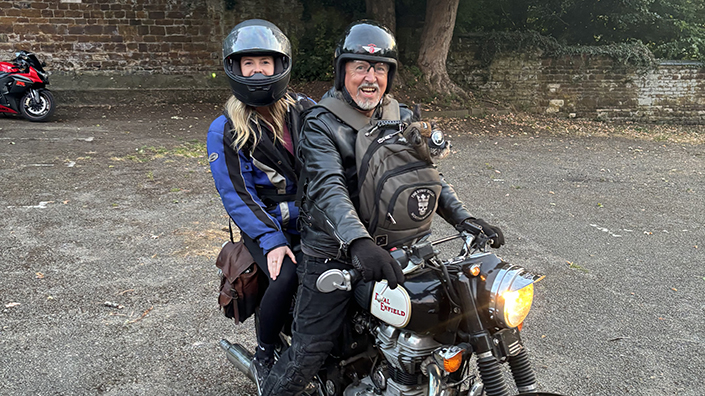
x,y
366,40
257,37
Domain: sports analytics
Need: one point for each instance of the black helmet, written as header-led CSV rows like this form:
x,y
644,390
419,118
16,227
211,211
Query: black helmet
x,y
257,37
366,40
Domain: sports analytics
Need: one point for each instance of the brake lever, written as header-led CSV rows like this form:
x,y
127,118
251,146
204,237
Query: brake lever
x,y
481,241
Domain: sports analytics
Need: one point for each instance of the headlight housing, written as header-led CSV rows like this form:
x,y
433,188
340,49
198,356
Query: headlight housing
x,y
511,295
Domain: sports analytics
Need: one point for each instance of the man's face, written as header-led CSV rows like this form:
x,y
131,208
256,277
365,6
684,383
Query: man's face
x,y
366,82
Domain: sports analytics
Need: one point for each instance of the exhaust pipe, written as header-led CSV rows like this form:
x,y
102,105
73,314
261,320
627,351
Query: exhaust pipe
x,y
240,357
435,386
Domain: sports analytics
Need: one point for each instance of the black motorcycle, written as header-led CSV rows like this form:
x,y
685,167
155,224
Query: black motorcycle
x,y
23,90
447,331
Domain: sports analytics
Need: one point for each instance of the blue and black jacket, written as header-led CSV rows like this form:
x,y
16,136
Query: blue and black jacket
x,y
258,187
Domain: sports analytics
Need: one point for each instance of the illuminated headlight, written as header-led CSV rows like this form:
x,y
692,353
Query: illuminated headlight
x,y
517,305
511,295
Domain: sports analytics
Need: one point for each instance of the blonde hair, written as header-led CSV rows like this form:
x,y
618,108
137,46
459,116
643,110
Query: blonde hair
x,y
243,117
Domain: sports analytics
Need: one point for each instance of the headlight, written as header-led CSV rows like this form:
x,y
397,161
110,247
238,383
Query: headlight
x,y
511,295
517,305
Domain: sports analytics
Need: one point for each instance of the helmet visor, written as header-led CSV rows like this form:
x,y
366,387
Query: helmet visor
x,y
256,39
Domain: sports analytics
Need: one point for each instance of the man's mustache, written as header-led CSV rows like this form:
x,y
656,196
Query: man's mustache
x,y
368,85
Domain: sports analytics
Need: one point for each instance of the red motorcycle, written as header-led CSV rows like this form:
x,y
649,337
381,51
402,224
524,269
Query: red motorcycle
x,y
22,88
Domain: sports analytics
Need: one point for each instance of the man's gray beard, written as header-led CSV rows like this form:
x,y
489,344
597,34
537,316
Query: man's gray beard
x,y
367,104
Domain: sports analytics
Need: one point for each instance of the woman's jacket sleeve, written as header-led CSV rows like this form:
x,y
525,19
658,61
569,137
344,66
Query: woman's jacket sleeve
x,y
232,172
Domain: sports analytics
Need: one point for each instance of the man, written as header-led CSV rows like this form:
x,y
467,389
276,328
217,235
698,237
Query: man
x,y
332,233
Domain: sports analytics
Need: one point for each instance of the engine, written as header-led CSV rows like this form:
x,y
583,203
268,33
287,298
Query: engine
x,y
405,353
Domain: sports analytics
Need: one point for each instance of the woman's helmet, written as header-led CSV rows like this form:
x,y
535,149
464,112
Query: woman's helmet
x,y
366,40
257,37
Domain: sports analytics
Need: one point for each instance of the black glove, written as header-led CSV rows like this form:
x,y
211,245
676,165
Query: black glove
x,y
493,232
375,263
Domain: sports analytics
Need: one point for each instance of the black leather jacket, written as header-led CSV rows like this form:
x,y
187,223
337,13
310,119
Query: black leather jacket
x,y
328,220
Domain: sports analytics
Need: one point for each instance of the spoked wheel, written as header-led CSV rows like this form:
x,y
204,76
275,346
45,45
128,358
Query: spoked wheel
x,y
39,110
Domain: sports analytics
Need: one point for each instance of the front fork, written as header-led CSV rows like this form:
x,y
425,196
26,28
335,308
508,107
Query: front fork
x,y
34,94
487,347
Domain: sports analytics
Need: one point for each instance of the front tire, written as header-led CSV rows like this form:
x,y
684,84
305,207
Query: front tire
x,y
37,112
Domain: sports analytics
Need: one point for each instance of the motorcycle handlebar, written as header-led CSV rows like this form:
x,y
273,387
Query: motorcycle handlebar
x,y
336,279
401,256
355,275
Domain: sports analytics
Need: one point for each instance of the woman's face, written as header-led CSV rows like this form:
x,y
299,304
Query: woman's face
x,y
257,64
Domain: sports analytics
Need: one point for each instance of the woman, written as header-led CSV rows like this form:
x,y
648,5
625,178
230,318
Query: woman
x,y
251,149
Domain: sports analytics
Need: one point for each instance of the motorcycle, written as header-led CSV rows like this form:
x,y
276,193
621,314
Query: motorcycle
x,y
447,331
22,88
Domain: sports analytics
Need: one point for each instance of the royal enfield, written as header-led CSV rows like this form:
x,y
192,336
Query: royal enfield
x,y
447,331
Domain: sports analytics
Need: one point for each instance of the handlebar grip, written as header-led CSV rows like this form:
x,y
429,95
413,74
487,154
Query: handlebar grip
x,y
471,228
399,255
355,275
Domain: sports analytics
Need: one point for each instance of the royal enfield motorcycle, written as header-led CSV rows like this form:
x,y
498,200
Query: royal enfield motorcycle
x,y
23,90
453,328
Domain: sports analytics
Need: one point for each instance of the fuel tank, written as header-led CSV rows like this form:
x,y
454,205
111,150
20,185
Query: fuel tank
x,y
420,305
